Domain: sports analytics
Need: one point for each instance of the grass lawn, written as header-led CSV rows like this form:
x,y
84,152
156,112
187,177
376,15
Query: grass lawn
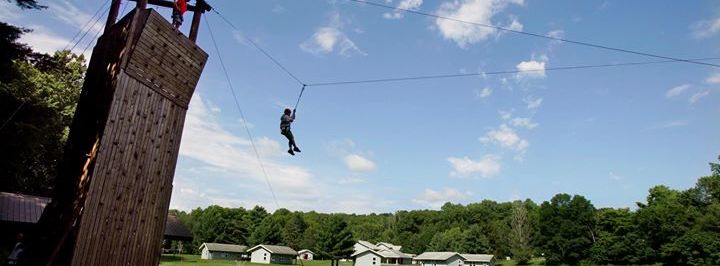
x,y
186,260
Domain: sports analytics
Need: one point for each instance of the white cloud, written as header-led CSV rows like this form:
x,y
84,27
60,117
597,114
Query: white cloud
x,y
615,177
9,12
515,24
697,96
706,28
532,102
485,92
278,9
531,69
350,180
713,79
45,41
525,122
358,163
404,4
487,166
66,12
676,123
505,115
206,141
505,137
477,11
331,38
677,90
558,34
435,199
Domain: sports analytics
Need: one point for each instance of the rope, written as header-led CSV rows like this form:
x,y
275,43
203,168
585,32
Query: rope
x,y
242,115
127,3
444,76
88,30
277,63
86,24
301,93
534,34
12,115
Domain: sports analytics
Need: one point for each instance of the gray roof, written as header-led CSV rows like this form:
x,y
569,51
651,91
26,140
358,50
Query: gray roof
x,y
175,230
387,253
19,208
435,255
391,253
224,247
306,251
391,246
477,257
275,249
368,245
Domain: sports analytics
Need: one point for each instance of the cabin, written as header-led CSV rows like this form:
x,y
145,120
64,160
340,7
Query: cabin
x,y
369,257
219,251
439,259
385,245
268,254
362,245
478,259
305,254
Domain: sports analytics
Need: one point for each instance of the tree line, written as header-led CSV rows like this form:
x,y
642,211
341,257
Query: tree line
x,y
673,227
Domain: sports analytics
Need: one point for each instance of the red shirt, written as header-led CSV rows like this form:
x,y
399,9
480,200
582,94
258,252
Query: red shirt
x,y
181,5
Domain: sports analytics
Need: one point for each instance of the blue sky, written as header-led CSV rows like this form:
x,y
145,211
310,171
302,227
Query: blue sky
x,y
608,134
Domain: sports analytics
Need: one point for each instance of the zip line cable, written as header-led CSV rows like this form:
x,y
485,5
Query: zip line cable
x,y
533,34
97,20
12,115
86,24
445,76
242,115
88,31
260,48
125,5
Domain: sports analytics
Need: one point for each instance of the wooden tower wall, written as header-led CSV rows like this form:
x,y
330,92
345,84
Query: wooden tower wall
x,y
115,184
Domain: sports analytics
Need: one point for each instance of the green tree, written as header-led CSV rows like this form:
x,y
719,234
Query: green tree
x,y
566,226
292,232
27,4
519,237
39,103
334,240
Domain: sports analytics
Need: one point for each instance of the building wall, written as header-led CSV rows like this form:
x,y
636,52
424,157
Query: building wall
x,y
305,256
220,255
260,256
453,261
359,247
368,259
282,259
205,254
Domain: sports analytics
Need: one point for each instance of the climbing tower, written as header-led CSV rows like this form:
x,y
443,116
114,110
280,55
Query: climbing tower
x,y
115,182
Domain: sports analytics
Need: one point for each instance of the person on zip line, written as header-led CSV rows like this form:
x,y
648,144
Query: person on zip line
x,y
287,118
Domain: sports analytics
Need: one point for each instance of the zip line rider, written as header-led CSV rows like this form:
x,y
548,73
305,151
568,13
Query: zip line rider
x,y
287,118
179,8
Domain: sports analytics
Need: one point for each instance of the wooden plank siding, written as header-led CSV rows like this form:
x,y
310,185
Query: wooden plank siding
x,y
128,127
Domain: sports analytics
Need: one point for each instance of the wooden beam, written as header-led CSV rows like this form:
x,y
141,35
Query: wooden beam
x,y
112,16
142,4
195,25
201,6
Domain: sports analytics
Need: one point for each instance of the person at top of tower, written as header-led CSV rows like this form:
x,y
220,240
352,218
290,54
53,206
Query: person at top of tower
x,y
179,9
287,118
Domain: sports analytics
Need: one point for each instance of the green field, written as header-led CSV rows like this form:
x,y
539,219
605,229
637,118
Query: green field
x,y
183,260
